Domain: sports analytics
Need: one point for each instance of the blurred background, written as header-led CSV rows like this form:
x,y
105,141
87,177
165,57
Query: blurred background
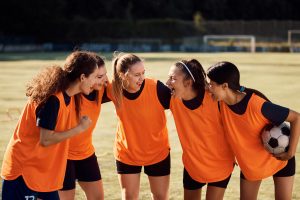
x,y
150,25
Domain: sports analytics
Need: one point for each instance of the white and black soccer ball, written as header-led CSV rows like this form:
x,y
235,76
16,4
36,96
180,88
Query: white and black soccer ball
x,y
276,138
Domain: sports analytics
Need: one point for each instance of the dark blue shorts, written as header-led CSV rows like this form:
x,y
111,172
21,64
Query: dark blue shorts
x,y
190,184
288,170
17,189
161,168
48,195
86,170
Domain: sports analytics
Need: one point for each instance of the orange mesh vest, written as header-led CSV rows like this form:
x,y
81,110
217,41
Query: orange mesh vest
x,y
243,133
81,145
142,135
42,168
206,154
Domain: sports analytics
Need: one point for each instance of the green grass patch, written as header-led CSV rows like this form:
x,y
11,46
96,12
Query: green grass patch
x,y
274,74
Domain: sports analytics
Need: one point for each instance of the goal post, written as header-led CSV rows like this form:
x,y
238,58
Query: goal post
x,y
291,43
251,38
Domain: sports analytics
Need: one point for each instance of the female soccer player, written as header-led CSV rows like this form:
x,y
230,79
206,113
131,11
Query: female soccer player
x,y
207,157
245,112
35,160
142,136
82,162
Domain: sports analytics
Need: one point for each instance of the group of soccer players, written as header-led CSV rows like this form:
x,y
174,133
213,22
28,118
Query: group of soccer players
x,y
218,122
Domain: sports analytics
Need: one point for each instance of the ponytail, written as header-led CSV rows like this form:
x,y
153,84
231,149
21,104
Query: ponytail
x,y
258,93
121,64
116,84
227,72
193,70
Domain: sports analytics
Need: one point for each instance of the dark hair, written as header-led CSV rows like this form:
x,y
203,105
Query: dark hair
x,y
56,79
77,63
227,72
197,71
100,63
121,64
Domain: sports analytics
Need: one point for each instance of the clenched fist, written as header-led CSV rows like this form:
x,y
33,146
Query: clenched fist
x,y
85,122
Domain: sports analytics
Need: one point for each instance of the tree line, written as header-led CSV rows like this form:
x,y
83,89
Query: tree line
x,y
50,20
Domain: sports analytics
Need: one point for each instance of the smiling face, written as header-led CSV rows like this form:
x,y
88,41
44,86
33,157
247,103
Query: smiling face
x,y
134,77
87,83
101,78
176,82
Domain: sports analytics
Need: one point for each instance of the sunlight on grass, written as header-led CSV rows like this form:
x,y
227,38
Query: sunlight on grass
x,y
274,74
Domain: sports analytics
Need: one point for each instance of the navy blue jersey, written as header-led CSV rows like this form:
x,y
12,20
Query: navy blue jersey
x,y
105,98
274,113
194,103
163,94
92,96
46,115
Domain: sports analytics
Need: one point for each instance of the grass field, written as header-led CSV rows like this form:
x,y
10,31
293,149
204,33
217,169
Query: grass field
x,y
276,75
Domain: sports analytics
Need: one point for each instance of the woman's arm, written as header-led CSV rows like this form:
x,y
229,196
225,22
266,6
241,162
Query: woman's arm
x,y
294,119
50,137
164,95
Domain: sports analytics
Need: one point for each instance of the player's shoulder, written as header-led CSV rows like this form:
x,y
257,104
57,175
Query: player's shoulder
x,y
151,81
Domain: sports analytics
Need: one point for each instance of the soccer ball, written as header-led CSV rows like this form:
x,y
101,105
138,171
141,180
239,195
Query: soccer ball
x,y
276,138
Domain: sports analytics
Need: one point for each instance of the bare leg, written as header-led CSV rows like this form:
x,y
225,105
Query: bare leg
x,y
249,189
159,187
192,194
93,190
283,187
214,193
66,194
130,186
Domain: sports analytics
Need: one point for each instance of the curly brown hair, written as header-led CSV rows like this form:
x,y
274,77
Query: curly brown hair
x,y
56,79
46,83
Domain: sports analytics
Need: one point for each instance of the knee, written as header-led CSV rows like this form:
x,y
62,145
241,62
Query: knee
x,y
128,195
99,196
95,195
160,196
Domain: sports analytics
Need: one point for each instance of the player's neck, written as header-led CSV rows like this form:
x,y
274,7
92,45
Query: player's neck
x,y
234,98
189,94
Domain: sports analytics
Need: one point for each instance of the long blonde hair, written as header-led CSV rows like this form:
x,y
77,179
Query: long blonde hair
x,y
121,64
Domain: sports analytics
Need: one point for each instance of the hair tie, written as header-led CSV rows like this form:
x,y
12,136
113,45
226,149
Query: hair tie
x,y
188,70
242,89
